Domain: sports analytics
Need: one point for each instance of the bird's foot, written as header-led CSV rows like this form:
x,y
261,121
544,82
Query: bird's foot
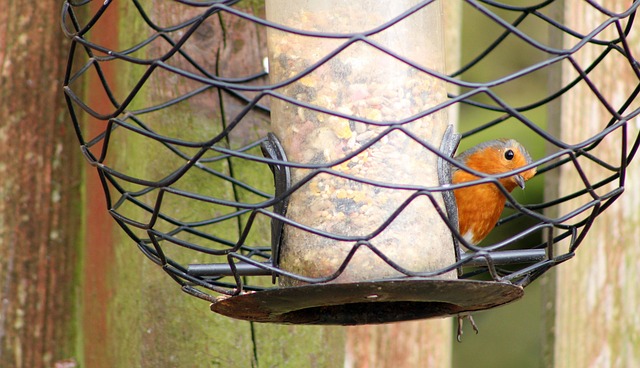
x,y
461,318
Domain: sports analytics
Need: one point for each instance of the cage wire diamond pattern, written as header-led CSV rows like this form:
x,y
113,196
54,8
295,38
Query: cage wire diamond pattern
x,y
207,178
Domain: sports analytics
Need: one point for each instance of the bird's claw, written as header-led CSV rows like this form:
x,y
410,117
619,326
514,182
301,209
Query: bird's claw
x,y
461,318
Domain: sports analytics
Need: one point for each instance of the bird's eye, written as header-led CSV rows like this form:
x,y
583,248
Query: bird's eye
x,y
509,155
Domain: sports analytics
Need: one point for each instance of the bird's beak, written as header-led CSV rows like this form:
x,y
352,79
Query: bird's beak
x,y
520,181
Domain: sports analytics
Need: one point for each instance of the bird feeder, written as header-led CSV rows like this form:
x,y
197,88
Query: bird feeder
x,y
357,222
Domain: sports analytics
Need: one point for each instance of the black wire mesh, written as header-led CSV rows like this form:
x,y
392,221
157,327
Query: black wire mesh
x,y
209,178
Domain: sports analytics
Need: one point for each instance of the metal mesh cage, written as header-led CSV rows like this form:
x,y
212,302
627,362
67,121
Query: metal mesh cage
x,y
180,139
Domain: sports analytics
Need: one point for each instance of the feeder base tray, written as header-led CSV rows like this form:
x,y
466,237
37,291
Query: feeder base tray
x,y
367,302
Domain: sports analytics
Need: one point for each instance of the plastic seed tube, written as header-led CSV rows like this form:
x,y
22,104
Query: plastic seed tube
x,y
371,91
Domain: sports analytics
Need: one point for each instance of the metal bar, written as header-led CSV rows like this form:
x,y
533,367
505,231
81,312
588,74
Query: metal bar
x,y
223,269
245,269
507,257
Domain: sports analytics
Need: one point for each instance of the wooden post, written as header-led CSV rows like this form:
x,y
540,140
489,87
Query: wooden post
x,y
144,319
597,297
39,191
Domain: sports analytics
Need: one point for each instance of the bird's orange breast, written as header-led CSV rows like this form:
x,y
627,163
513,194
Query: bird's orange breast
x,y
479,207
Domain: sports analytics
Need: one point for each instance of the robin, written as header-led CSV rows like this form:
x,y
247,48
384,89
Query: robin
x,y
480,206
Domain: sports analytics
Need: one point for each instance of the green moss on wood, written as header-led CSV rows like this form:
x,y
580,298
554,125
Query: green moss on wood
x,y
152,323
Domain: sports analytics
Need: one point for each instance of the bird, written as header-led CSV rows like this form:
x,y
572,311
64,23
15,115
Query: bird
x,y
480,206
